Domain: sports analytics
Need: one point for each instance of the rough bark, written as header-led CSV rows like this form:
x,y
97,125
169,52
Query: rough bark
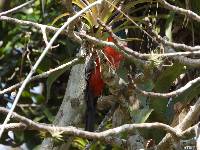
x,y
72,107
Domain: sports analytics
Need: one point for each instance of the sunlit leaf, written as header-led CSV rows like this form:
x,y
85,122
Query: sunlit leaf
x,y
59,17
169,23
141,115
48,114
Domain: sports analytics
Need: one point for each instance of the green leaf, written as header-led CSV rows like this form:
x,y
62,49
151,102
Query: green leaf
x,y
59,17
188,95
52,78
39,118
122,71
88,15
37,147
79,143
48,114
169,23
38,98
19,137
141,115
162,85
43,4
26,94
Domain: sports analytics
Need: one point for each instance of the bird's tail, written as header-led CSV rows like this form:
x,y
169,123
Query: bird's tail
x,y
91,101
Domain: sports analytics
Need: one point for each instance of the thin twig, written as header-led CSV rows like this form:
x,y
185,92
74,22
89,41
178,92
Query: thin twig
x,y
127,51
44,75
170,94
16,8
41,58
182,11
175,45
44,35
30,23
182,59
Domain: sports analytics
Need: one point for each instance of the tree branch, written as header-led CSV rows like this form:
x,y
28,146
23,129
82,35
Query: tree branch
x,y
173,44
129,53
13,10
45,74
182,59
103,136
189,119
170,94
182,11
41,58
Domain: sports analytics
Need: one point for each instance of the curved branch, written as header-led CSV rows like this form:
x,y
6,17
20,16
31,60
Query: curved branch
x,y
70,130
189,119
182,59
170,94
173,44
182,11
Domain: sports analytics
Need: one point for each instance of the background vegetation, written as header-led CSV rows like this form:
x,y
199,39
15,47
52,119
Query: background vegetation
x,y
21,45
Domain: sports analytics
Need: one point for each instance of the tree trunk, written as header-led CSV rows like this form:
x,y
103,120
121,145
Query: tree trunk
x,y
72,107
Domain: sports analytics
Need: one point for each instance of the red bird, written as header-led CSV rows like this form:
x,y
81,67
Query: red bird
x,y
95,83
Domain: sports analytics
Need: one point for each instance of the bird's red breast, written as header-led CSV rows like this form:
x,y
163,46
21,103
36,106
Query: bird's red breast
x,y
96,82
114,57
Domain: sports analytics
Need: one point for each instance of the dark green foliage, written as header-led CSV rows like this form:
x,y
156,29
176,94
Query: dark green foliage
x,y
40,101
